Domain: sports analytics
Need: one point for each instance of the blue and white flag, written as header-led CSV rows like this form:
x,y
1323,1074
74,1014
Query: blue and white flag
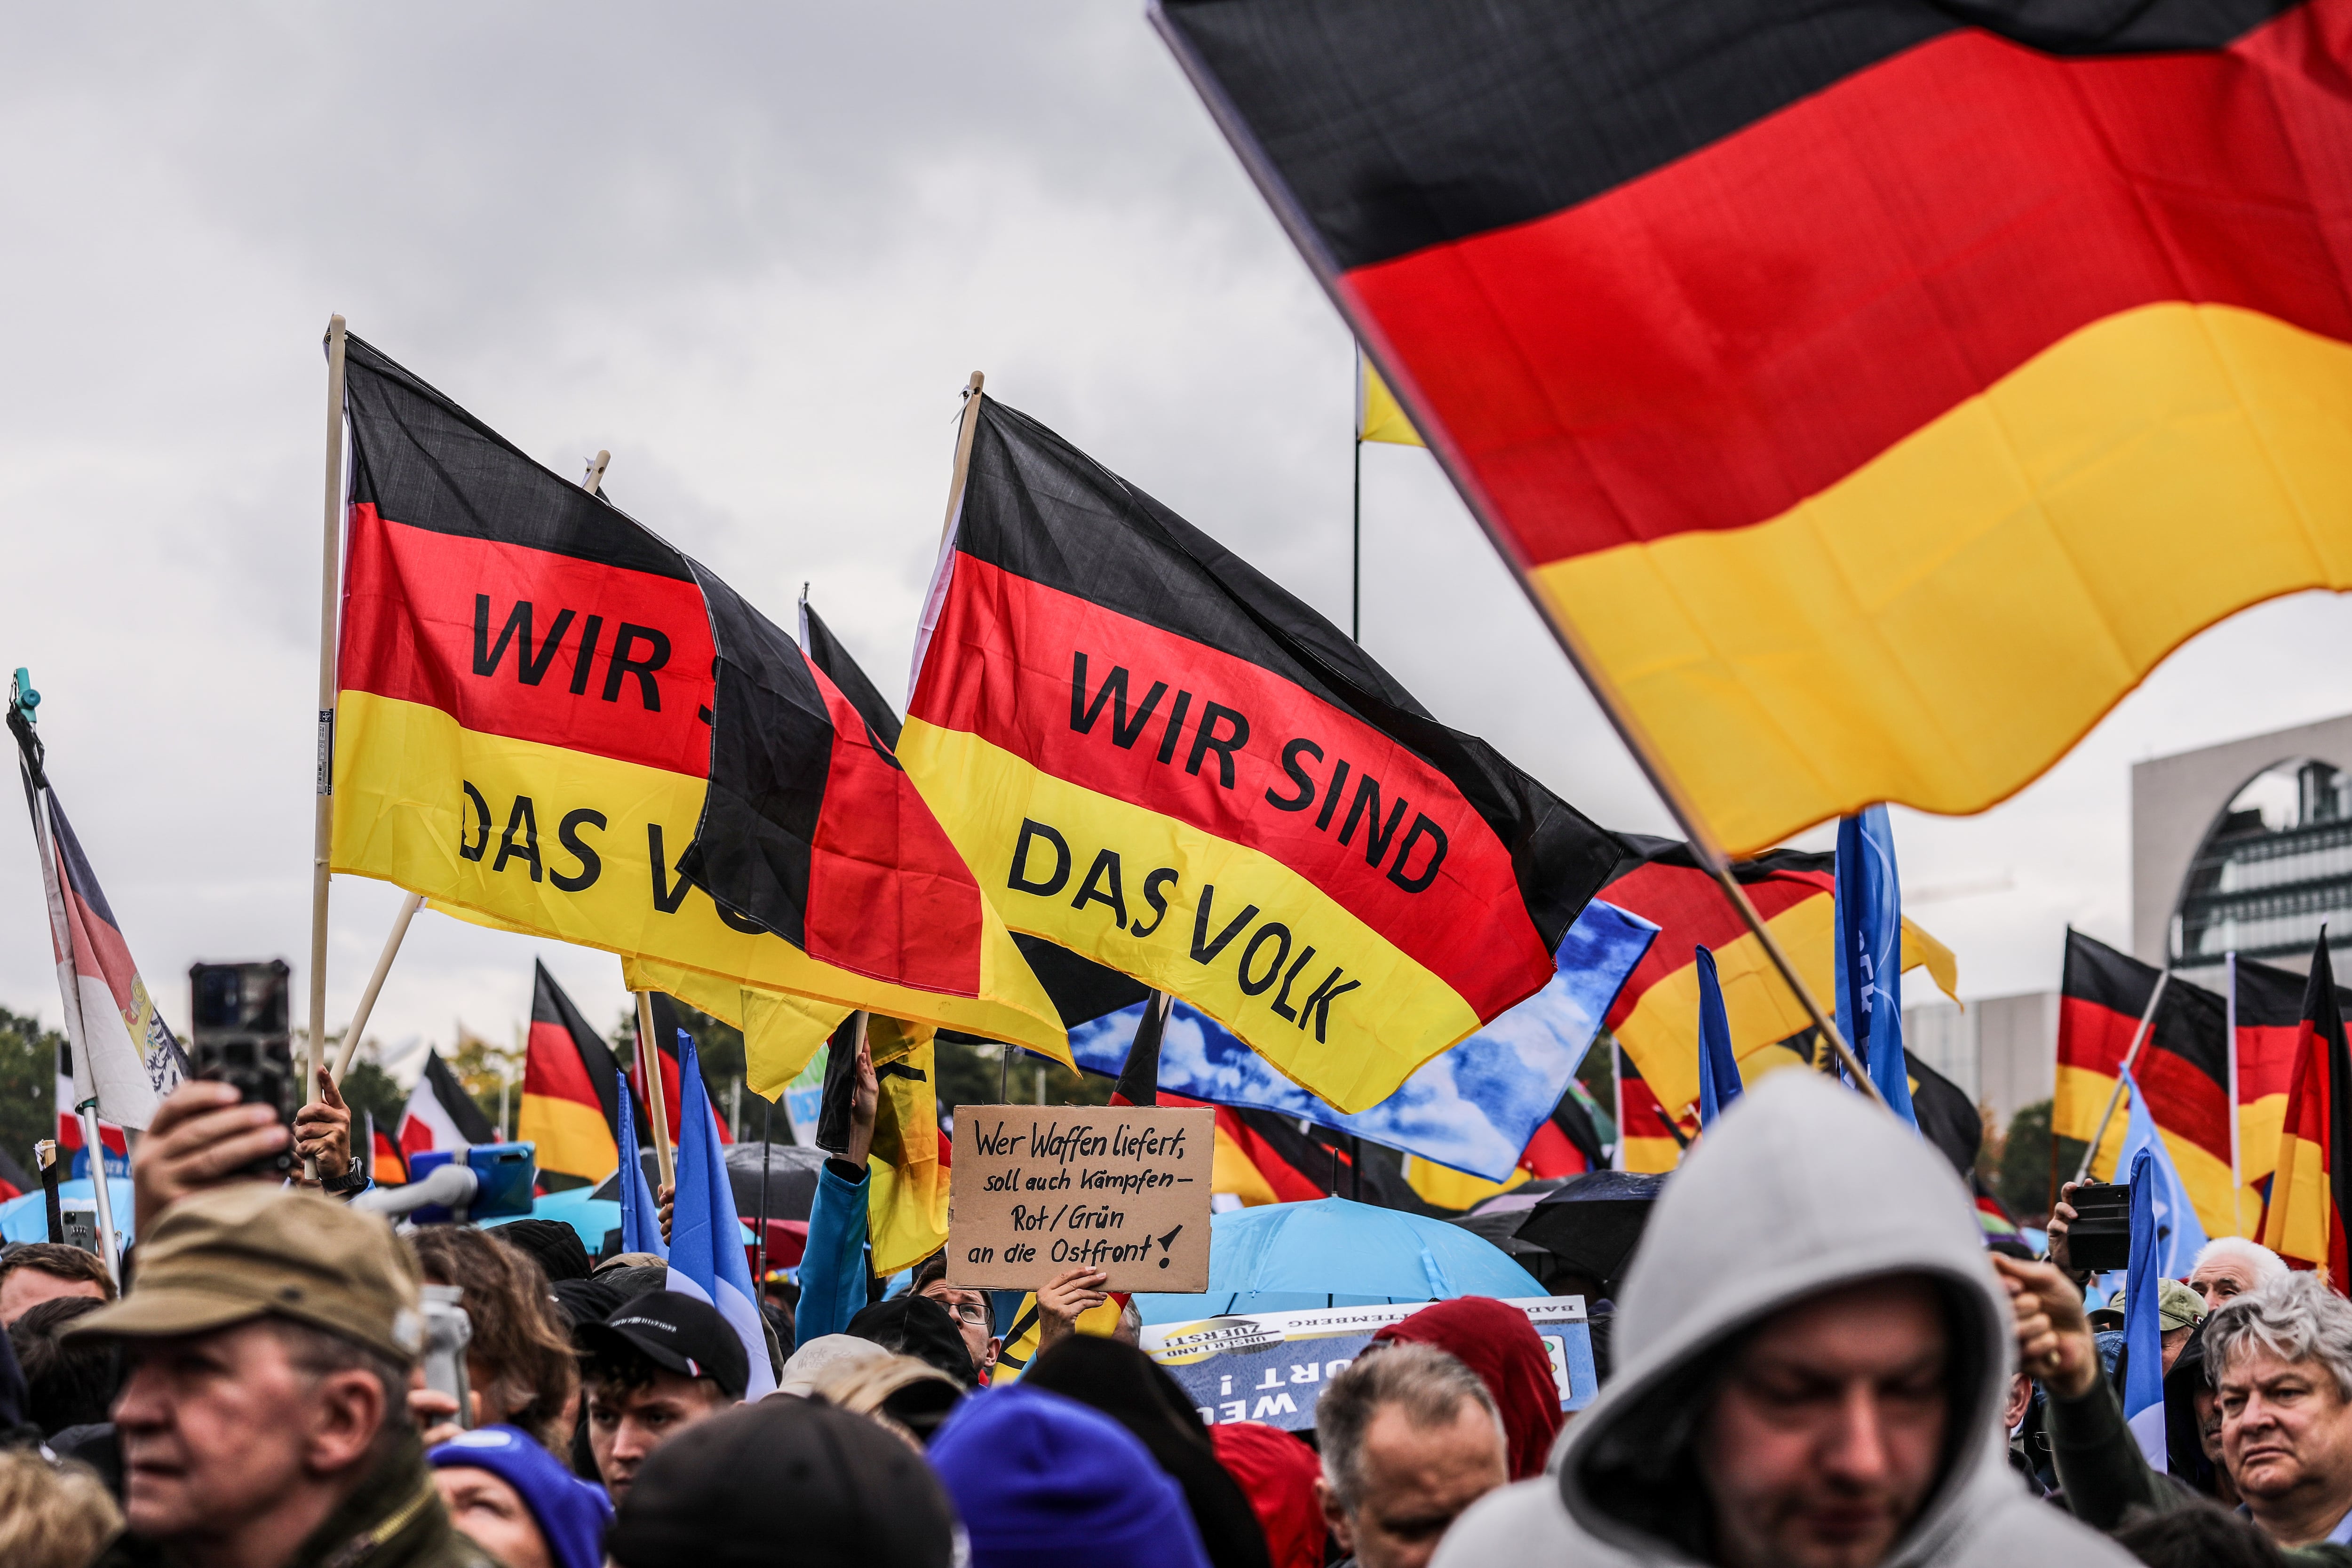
x,y
1869,949
2180,1234
706,1247
1718,1065
1472,1109
2142,1320
640,1214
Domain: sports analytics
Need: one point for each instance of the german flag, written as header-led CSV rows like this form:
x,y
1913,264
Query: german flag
x,y
1656,1015
1566,1145
571,1096
2183,1069
1856,386
553,720
2311,1184
2269,1018
1648,1140
1158,758
667,1028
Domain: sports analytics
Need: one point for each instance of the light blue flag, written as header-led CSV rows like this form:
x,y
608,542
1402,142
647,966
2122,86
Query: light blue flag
x,y
1473,1108
1869,921
1718,1065
706,1249
2180,1234
640,1214
2143,1323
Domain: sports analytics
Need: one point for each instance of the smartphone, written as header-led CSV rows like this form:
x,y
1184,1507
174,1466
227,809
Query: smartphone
x,y
2100,1237
238,1035
447,1331
262,1074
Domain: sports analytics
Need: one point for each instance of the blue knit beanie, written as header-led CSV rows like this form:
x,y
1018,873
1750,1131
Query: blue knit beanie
x,y
572,1514
1035,1475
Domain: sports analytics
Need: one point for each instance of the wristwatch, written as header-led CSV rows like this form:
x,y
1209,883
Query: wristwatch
x,y
350,1182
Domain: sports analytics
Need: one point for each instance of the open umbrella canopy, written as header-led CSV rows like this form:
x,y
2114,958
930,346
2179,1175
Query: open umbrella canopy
x,y
1279,1258
1593,1222
792,1179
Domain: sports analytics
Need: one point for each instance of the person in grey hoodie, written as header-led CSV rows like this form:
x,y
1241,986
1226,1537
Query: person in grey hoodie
x,y
1811,1359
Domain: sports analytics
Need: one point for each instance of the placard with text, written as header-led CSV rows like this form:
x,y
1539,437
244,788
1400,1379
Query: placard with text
x,y
1040,1189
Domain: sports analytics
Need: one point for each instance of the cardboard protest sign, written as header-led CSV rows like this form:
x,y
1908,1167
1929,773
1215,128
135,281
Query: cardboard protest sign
x,y
1271,1366
1123,1189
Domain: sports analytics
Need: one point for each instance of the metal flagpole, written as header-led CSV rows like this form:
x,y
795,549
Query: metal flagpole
x,y
322,811
1355,531
2123,1073
2229,1022
656,1112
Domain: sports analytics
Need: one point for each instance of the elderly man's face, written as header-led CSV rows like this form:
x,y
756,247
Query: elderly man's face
x,y
1415,1482
1826,1437
2285,1428
970,1310
2219,1278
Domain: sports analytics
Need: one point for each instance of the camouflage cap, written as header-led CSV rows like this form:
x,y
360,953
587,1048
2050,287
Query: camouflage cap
x,y
235,1253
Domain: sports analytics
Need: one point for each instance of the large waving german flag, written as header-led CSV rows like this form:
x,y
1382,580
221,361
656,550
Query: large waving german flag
x,y
2311,1183
1655,1018
1156,757
2183,1069
1856,386
553,720
2269,1019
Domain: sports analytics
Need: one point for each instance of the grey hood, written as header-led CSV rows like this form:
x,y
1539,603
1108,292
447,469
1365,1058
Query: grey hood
x,y
1800,1186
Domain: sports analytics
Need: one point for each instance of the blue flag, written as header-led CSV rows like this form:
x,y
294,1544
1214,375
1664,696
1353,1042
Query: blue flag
x,y
2143,1323
2180,1234
706,1249
1870,953
1718,1068
640,1216
1473,1108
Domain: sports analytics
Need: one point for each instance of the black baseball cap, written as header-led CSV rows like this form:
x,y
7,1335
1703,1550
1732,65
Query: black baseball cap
x,y
854,1495
919,1327
676,1332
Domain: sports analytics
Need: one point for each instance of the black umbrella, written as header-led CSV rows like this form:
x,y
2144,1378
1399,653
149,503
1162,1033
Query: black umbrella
x,y
791,1178
1593,1222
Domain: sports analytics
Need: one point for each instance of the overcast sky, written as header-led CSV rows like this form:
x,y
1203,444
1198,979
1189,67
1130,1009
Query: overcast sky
x,y
754,252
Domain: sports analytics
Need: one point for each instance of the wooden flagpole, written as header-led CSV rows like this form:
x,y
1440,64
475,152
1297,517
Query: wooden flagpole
x,y
408,908
656,1109
322,811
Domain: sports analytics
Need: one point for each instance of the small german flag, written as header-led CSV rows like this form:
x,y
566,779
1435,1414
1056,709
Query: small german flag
x,y
571,1098
1655,1018
1648,1139
1158,758
1856,385
553,720
2183,1070
2311,1183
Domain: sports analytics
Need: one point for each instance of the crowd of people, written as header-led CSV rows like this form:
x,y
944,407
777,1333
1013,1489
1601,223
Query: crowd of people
x,y
1814,1362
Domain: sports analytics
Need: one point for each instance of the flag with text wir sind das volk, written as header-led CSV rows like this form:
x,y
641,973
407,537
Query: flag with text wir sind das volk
x,y
1153,756
551,719
1864,386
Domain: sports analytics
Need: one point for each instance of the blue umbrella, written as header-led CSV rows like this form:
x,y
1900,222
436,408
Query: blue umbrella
x,y
1282,1257
26,1218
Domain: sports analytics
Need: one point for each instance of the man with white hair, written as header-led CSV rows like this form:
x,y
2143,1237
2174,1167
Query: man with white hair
x,y
2231,1266
2280,1356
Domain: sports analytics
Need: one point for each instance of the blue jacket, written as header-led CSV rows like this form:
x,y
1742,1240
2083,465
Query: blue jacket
x,y
833,1268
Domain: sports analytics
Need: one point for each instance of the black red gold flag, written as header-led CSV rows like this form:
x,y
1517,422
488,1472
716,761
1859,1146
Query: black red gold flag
x,y
2183,1070
571,1098
1855,387
2311,1183
1155,756
1655,1018
553,720
2269,1018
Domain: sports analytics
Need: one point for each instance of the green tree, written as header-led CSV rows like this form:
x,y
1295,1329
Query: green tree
x,y
970,1074
368,1089
28,1085
2031,1169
